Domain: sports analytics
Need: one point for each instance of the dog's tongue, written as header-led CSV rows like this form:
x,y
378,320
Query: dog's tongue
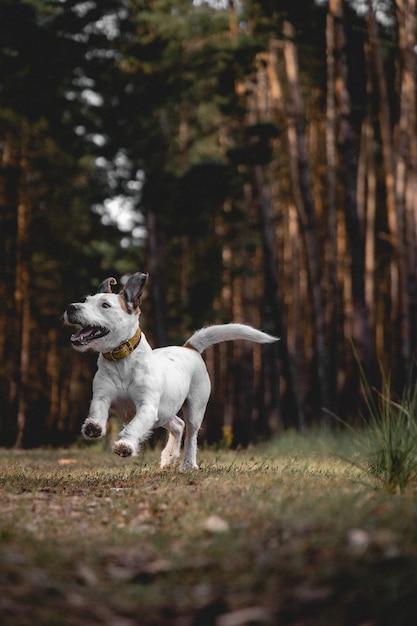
x,y
84,333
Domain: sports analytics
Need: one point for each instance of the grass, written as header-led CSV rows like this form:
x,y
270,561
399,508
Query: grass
x,y
283,533
389,442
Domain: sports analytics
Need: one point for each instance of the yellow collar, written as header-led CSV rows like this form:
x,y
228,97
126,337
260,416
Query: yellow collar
x,y
125,348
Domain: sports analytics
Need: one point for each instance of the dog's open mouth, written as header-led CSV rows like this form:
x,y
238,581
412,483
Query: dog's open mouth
x,y
83,336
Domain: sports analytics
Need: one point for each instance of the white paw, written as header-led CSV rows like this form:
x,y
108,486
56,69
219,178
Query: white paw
x,y
187,466
124,448
92,430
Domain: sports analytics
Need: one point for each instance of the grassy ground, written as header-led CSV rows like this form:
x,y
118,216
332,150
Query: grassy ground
x,y
285,533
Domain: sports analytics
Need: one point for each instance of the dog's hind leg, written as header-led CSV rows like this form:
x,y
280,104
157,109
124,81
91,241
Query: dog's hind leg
x,y
194,409
193,415
171,452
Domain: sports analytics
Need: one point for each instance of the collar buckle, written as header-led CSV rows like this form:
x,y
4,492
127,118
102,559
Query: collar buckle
x,y
125,348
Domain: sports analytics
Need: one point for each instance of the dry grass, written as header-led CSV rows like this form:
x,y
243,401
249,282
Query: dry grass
x,y
280,534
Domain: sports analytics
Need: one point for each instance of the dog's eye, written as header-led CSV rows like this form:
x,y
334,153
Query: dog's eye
x,y
106,305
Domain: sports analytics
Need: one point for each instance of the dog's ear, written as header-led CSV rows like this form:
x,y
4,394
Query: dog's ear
x,y
105,286
133,290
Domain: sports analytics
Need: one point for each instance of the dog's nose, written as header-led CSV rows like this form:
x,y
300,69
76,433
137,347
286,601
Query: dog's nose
x,y
71,309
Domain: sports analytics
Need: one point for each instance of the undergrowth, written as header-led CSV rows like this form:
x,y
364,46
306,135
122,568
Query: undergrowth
x,y
387,444
280,533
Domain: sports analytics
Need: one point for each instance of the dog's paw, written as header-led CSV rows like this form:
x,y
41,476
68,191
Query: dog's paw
x,y
92,430
188,466
123,448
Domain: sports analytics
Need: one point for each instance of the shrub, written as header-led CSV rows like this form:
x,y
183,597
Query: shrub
x,y
389,444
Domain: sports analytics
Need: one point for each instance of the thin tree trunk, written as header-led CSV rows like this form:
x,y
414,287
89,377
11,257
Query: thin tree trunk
x,y
53,371
24,374
21,317
265,105
273,303
371,203
394,213
331,249
303,193
22,308
407,169
9,183
244,367
156,273
360,323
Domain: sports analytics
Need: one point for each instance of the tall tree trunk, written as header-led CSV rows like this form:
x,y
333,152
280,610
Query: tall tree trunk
x,y
394,212
15,195
406,170
274,310
244,427
156,273
371,202
331,248
53,372
9,184
360,322
22,297
264,108
303,194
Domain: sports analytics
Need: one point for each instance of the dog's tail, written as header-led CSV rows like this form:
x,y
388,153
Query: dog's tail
x,y
210,335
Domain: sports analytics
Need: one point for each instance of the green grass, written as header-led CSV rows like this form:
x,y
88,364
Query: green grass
x,y
388,443
282,533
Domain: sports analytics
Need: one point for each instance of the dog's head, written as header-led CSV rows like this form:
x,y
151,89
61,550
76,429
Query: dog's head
x,y
106,319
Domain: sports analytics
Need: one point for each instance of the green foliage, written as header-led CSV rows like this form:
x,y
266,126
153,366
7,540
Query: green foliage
x,y
388,443
391,443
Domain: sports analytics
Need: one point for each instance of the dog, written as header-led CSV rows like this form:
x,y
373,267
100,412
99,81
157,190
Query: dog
x,y
146,388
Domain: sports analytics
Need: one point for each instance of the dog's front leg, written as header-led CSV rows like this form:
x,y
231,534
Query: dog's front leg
x,y
95,425
136,431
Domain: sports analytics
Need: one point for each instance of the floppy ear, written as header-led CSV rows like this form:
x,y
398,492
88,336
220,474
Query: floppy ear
x,y
133,290
105,286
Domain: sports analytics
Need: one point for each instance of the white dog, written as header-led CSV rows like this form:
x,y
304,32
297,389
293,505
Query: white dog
x,y
146,388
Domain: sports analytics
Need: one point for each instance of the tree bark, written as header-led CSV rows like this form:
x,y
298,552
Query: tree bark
x,y
394,214
406,173
156,274
360,322
304,200
22,298
331,247
274,310
9,184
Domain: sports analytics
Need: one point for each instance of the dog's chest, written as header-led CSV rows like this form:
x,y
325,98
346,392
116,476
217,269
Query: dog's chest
x,y
126,392
124,407
122,376
126,382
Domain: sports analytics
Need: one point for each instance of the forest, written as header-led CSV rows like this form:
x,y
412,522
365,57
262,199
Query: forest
x,y
257,158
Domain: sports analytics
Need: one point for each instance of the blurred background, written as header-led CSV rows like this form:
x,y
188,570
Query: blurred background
x,y
258,159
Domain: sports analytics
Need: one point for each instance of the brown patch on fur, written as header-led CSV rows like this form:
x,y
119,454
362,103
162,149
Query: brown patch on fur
x,y
123,303
190,346
105,286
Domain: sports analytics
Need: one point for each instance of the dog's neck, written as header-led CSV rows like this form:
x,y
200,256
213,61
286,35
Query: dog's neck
x,y
125,348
